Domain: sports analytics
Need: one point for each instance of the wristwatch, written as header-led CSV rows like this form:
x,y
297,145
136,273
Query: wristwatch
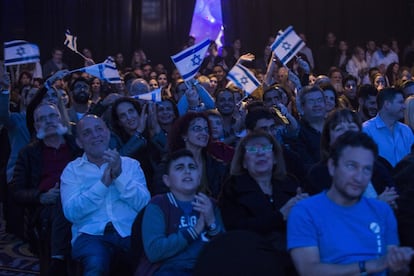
x,y
212,227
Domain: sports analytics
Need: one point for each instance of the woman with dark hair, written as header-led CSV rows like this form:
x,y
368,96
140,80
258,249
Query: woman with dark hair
x,y
318,179
96,90
193,132
128,123
259,194
392,74
161,117
21,86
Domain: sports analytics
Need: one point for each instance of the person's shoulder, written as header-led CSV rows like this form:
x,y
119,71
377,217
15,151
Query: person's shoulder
x,y
369,122
164,201
373,123
129,160
313,202
378,205
32,146
405,128
78,161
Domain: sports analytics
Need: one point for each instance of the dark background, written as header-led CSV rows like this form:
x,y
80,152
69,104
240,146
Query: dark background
x,y
160,27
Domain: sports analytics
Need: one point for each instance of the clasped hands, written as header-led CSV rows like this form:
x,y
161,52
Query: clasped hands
x,y
114,167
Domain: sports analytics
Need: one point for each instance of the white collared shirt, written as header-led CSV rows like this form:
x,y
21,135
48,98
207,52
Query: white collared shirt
x,y
89,204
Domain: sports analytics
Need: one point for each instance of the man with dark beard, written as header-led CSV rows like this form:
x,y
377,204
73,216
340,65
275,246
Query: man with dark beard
x,y
81,93
35,185
367,101
384,56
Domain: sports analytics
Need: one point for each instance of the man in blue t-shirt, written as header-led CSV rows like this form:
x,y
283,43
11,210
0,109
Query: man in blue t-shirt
x,y
340,232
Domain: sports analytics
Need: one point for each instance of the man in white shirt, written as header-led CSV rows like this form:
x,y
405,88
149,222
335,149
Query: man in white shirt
x,y
101,193
383,56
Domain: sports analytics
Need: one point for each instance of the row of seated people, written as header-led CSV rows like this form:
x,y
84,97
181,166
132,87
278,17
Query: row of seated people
x,y
194,131
128,120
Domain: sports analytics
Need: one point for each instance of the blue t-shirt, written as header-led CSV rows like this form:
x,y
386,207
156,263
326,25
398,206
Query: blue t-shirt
x,y
343,234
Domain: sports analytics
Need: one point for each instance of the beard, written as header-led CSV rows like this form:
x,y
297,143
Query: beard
x,y
60,130
81,97
367,112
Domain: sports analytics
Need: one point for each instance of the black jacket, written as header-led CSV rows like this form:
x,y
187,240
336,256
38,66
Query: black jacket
x,y
244,206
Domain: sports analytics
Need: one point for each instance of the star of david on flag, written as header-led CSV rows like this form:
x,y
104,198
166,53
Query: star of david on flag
x,y
105,71
243,78
286,45
20,52
188,62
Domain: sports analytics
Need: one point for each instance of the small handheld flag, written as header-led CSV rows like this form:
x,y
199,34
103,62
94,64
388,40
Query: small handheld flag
x,y
243,78
286,45
154,96
105,71
70,42
20,52
188,62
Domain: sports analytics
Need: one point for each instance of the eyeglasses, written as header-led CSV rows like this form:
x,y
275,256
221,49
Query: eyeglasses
x,y
259,148
199,129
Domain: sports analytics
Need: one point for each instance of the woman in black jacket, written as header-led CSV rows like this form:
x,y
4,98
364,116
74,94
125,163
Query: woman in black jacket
x,y
259,194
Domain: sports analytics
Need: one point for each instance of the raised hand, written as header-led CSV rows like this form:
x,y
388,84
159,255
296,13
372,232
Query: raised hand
x,y
153,124
143,119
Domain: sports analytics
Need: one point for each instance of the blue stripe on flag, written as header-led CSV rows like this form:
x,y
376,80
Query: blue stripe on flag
x,y
189,74
281,38
31,58
110,66
249,75
235,80
192,51
101,68
293,51
112,79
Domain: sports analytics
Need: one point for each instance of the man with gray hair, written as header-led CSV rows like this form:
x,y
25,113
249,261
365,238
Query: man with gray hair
x,y
35,185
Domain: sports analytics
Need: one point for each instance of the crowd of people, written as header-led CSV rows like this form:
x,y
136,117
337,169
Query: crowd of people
x,y
315,166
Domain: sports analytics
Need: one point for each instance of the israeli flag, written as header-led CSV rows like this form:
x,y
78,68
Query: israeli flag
x,y
286,45
70,41
20,52
243,78
105,71
153,96
188,62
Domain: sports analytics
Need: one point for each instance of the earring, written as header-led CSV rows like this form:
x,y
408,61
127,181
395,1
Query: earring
x,y
185,139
